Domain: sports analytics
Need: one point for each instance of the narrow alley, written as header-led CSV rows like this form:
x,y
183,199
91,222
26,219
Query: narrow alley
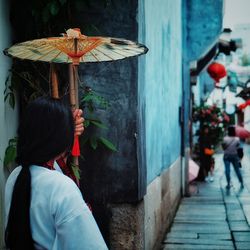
x,y
214,218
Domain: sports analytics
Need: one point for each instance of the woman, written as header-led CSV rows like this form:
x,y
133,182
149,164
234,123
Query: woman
x,y
44,208
230,145
206,154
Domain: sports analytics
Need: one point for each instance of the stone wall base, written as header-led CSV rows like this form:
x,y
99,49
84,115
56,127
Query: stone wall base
x,y
126,228
161,202
143,225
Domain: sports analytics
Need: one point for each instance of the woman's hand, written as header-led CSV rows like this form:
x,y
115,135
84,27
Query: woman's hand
x,y
77,115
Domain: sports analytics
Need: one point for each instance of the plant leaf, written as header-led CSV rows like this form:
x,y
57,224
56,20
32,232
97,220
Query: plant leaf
x,y
90,108
108,144
13,141
88,97
98,124
84,139
12,100
6,96
86,123
10,155
76,171
54,8
93,142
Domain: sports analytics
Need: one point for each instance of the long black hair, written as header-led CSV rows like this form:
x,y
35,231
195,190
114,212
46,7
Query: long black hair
x,y
231,131
46,131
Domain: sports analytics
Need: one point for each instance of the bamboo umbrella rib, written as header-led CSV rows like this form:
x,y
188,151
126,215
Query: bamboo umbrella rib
x,y
91,46
45,48
110,54
129,52
98,49
49,53
61,58
87,58
128,48
20,54
94,55
45,53
29,47
114,51
29,54
82,59
116,48
104,55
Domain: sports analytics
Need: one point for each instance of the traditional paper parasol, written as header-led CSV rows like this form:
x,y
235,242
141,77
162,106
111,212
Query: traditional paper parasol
x,y
193,170
241,132
74,48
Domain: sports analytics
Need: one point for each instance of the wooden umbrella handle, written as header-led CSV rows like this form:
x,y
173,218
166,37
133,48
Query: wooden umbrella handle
x,y
73,92
54,81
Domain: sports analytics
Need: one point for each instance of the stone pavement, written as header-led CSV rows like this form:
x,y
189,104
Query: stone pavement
x,y
213,217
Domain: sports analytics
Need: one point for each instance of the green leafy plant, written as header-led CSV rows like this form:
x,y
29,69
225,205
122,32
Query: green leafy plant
x,y
90,101
33,86
10,152
9,92
76,171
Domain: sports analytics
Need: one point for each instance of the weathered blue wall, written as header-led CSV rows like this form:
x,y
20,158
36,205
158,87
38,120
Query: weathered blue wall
x,y
160,83
206,85
8,116
106,176
204,25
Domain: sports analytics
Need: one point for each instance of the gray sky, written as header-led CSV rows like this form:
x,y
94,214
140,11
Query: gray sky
x,y
236,12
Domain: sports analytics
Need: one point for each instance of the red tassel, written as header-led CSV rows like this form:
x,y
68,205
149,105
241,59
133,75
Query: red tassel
x,y
76,147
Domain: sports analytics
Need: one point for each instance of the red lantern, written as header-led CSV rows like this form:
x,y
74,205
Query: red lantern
x,y
216,71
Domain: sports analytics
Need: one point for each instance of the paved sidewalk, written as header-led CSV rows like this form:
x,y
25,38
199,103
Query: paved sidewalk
x,y
213,217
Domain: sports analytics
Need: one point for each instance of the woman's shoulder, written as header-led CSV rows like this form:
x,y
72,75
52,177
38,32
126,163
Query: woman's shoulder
x,y
51,178
43,178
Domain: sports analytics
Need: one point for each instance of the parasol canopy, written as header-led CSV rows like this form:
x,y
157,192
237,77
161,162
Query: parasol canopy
x,y
241,132
193,170
74,47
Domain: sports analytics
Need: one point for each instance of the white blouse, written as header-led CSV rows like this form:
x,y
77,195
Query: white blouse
x,y
60,219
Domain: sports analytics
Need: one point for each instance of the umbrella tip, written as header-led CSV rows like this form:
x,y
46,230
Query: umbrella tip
x,y
75,32
5,52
